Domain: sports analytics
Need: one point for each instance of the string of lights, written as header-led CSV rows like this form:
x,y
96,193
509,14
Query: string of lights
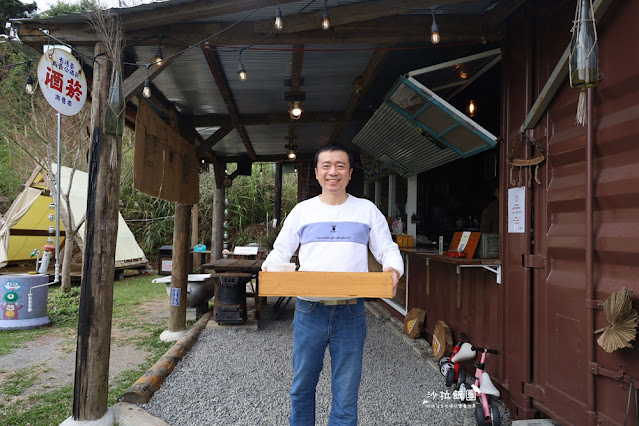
x,y
325,24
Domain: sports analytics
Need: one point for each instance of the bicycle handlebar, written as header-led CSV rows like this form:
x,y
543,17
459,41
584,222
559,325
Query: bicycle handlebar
x,y
490,351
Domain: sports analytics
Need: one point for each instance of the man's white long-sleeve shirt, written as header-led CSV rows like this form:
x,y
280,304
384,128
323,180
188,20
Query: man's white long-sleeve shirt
x,y
336,238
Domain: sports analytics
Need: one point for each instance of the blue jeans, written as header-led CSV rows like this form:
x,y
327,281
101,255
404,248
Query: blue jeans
x,y
343,329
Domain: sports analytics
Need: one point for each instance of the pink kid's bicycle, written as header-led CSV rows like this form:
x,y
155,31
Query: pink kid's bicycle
x,y
485,412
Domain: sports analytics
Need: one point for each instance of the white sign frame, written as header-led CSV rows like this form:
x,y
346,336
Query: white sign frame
x,y
62,81
517,210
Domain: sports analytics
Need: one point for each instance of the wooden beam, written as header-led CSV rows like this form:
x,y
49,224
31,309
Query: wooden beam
x,y
272,158
135,82
91,385
189,11
205,146
298,60
393,29
503,10
348,14
225,90
372,70
180,272
143,389
272,119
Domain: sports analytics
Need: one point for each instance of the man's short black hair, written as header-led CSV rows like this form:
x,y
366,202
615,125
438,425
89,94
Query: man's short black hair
x,y
330,147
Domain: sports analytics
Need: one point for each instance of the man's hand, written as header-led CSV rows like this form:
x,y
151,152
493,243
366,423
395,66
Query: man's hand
x,y
395,278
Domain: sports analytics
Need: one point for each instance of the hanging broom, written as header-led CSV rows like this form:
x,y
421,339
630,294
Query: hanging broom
x,y
623,322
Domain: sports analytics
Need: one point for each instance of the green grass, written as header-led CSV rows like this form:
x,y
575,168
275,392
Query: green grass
x,y
18,381
54,407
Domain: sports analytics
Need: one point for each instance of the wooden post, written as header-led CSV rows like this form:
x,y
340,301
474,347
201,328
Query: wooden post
x,y
96,298
277,194
179,274
217,234
197,257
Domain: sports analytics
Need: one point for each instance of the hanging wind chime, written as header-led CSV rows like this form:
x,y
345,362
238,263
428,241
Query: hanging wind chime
x,y
517,157
583,64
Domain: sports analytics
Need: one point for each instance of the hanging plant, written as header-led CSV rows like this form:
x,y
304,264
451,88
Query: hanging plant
x,y
584,56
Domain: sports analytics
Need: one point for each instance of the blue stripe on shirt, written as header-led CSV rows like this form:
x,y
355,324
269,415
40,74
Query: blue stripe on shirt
x,y
334,232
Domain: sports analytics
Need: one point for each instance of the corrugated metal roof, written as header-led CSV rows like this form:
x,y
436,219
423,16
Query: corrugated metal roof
x,y
328,72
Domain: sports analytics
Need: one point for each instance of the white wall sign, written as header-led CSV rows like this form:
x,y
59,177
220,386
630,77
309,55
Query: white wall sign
x,y
517,210
62,81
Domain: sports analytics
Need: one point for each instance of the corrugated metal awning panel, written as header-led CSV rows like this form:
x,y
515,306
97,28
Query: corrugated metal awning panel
x,y
394,139
415,130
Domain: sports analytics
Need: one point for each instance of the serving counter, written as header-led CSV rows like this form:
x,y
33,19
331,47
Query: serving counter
x,y
418,264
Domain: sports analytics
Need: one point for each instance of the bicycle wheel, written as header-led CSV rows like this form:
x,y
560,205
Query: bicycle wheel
x,y
462,377
442,362
479,415
450,377
463,389
495,417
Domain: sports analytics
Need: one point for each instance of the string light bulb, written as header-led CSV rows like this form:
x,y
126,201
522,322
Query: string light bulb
x,y
146,92
326,22
279,23
472,108
434,31
291,154
29,87
295,109
240,67
158,58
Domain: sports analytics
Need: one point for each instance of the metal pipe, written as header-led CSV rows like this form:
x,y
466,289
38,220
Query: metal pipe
x,y
58,178
590,291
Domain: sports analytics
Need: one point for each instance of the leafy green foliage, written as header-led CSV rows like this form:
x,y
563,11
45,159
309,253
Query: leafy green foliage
x,y
63,307
250,204
15,9
63,8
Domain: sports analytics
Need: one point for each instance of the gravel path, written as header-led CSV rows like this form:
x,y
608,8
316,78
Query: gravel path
x,y
242,377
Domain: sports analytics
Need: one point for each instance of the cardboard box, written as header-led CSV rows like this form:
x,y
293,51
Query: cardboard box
x,y
326,284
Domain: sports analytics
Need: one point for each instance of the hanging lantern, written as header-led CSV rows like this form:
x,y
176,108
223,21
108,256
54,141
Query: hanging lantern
x,y
584,57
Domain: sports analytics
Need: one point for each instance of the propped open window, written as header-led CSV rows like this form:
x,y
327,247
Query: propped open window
x,y
416,129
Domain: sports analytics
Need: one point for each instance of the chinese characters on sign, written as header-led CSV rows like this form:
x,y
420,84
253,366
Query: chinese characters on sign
x,y
62,81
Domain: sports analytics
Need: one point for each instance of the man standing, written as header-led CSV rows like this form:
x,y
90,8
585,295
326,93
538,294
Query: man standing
x,y
334,232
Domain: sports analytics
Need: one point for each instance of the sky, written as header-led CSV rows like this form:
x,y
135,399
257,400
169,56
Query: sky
x,y
45,4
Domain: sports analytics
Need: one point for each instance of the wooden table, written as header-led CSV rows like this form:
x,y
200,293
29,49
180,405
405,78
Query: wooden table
x,y
235,265
251,266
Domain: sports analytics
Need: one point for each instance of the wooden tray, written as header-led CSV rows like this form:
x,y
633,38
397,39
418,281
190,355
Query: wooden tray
x,y
326,284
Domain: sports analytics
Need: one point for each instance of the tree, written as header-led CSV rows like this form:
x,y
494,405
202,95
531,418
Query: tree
x,y
29,124
15,9
62,8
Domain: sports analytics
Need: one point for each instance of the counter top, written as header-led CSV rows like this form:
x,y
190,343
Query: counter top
x,y
431,254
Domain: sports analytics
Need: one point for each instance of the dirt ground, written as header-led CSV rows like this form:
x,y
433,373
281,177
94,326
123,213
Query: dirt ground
x,y
52,355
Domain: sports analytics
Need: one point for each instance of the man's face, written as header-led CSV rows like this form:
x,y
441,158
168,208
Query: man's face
x,y
333,171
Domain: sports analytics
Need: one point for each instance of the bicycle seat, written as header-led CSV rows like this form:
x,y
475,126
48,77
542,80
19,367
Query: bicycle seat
x,y
487,386
465,353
